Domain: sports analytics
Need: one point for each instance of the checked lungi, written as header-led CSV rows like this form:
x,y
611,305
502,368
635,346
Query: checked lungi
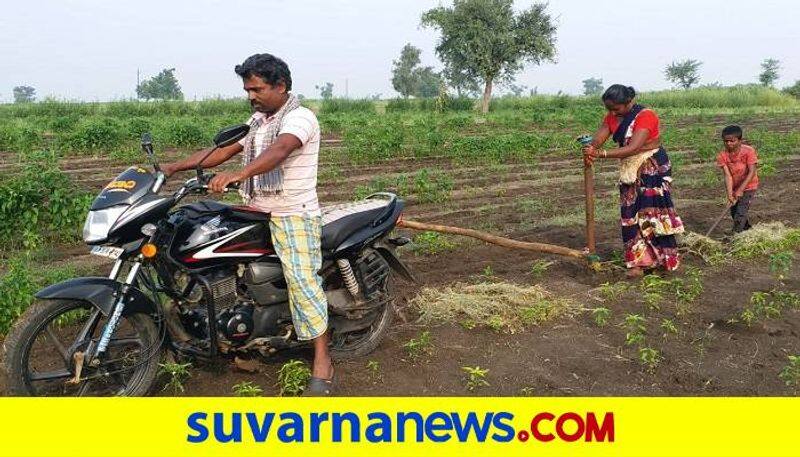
x,y
297,243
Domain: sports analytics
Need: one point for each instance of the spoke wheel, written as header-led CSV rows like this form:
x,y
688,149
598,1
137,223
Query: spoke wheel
x,y
50,340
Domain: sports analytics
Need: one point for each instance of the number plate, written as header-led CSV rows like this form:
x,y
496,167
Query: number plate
x,y
107,251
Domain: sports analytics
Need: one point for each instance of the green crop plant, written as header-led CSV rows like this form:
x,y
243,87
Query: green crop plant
x,y
432,243
790,374
293,377
420,346
476,377
247,389
374,369
780,264
540,267
176,373
634,325
668,326
650,358
431,186
613,291
653,289
601,316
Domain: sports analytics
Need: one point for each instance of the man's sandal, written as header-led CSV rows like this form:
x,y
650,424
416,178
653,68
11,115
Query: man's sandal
x,y
319,387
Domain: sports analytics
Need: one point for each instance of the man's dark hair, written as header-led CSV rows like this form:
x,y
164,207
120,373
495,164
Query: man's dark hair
x,y
619,94
267,67
732,130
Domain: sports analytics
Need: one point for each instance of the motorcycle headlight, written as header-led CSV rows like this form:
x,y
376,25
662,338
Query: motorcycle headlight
x,y
99,222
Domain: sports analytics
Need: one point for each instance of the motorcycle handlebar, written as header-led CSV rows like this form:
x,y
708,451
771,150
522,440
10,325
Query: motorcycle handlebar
x,y
205,179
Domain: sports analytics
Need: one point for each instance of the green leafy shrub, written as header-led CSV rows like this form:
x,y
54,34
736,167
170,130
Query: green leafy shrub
x,y
20,281
345,105
39,202
182,133
96,134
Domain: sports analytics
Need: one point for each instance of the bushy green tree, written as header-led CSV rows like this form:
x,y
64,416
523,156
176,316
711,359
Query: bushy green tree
x,y
684,73
488,41
793,90
769,73
404,80
24,94
592,86
408,78
428,82
163,86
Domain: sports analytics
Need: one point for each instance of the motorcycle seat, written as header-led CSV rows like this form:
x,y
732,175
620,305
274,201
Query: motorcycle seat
x,y
342,220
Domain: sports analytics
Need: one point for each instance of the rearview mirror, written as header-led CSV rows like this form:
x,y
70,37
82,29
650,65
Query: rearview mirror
x,y
230,135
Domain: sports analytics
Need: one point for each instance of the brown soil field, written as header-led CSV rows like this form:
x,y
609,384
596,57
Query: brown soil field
x,y
570,355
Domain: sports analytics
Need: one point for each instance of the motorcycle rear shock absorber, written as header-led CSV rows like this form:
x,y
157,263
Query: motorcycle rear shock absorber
x,y
349,277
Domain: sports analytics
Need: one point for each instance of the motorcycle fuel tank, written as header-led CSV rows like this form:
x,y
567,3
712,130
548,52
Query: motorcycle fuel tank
x,y
209,233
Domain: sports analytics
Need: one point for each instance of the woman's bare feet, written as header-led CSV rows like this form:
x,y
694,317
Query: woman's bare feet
x,y
634,273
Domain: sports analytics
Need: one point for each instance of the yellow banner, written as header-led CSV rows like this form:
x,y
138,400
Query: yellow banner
x,y
373,427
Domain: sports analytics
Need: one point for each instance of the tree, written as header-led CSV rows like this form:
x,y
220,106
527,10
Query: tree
x,y
325,90
24,94
770,73
163,86
404,80
683,73
489,42
463,83
593,86
794,90
408,78
427,82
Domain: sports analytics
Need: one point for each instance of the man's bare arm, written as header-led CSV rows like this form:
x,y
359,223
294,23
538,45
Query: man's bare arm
x,y
276,153
218,157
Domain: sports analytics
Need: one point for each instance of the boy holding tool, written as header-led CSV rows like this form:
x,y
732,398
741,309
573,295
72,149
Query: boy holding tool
x,y
738,162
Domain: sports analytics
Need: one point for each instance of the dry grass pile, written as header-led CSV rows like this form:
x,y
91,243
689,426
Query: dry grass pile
x,y
498,305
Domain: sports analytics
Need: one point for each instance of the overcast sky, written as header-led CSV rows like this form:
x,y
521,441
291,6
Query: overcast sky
x,y
91,49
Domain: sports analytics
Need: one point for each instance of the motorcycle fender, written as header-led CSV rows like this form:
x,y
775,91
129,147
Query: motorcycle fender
x,y
391,258
100,292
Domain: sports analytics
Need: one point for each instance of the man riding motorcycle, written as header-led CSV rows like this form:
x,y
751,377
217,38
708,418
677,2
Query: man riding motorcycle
x,y
279,176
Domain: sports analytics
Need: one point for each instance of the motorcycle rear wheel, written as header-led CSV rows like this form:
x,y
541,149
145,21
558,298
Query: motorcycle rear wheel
x,y
362,342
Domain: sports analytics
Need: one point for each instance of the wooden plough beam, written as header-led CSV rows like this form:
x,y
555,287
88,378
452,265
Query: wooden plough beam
x,y
494,239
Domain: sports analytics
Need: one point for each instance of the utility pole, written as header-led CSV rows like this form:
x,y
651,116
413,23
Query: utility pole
x,y
346,88
137,84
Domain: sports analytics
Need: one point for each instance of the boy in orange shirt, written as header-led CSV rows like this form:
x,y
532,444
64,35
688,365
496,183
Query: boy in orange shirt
x,y
738,161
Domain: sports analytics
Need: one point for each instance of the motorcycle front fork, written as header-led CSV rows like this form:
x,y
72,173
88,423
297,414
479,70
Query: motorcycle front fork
x,y
94,353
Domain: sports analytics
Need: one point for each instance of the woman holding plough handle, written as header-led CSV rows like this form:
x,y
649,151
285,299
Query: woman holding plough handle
x,y
648,219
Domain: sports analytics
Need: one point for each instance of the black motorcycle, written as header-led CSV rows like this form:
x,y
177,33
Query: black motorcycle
x,y
201,280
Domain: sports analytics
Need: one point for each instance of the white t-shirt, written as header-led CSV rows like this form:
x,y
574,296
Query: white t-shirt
x,y
299,194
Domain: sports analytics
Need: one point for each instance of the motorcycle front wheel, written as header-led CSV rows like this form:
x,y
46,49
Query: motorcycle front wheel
x,y
43,348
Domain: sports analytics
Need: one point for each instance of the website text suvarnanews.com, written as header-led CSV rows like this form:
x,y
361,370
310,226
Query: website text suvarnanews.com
x,y
398,427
